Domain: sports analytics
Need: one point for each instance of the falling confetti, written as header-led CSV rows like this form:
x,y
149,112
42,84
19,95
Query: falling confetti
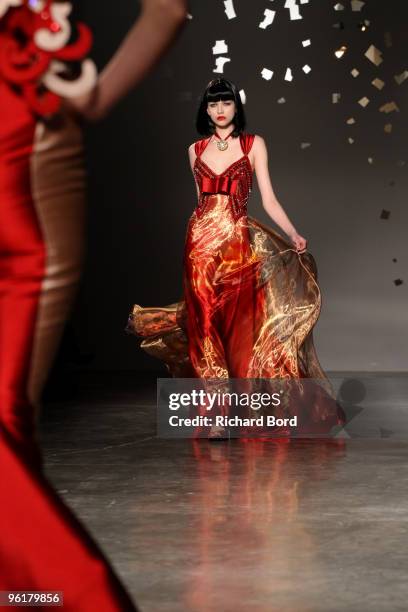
x,y
266,74
394,259
388,39
288,75
219,63
385,214
400,78
351,140
293,10
229,9
306,43
357,5
374,55
398,281
364,101
268,19
389,107
338,7
306,69
242,95
305,145
370,160
355,72
340,52
281,101
350,121
378,83
363,25
336,98
339,25
388,128
220,47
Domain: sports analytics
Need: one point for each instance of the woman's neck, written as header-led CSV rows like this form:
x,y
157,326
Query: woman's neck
x,y
224,131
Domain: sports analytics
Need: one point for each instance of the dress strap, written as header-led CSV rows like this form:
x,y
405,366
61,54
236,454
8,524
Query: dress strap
x,y
247,142
200,145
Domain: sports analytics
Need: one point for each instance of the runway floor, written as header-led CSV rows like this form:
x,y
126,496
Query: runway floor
x,y
278,526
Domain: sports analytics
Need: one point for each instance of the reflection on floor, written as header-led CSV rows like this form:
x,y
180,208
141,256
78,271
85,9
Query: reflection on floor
x,y
282,526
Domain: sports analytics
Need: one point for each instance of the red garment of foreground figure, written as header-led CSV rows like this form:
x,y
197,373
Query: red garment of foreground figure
x,y
43,547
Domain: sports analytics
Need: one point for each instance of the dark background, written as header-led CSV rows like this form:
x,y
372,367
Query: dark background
x,y
141,190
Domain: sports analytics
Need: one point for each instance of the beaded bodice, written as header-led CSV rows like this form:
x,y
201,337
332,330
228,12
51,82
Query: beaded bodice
x,y
235,181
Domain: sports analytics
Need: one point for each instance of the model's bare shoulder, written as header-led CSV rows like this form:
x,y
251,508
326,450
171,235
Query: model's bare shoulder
x,y
259,142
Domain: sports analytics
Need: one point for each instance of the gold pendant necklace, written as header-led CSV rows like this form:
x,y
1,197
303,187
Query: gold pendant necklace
x,y
222,143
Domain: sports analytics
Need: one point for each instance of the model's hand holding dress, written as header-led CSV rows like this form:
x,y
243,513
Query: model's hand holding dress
x,y
250,300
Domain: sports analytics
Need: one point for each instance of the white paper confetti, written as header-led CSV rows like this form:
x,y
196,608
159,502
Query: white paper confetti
x,y
220,47
229,9
389,107
268,19
281,101
220,63
374,55
351,140
378,83
350,121
364,101
340,52
306,69
400,78
288,75
293,10
338,7
266,74
242,95
355,72
370,160
306,43
357,5
305,145
336,98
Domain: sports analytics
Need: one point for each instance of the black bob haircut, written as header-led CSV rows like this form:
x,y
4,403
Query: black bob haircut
x,y
220,89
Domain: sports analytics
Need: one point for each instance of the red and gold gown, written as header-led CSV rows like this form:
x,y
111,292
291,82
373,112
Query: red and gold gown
x,y
250,300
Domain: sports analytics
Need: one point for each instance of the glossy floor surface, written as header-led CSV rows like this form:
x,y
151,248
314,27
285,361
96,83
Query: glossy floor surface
x,y
282,526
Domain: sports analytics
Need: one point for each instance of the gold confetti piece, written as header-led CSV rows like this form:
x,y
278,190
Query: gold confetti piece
x,y
364,101
266,74
281,101
306,69
219,47
305,145
350,121
389,107
219,64
388,39
400,78
374,55
336,98
388,128
340,52
355,72
357,5
268,19
288,75
338,7
378,83
306,43
351,140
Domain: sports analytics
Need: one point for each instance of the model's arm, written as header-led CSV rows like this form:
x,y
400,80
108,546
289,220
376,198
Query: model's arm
x,y
156,27
192,157
269,200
